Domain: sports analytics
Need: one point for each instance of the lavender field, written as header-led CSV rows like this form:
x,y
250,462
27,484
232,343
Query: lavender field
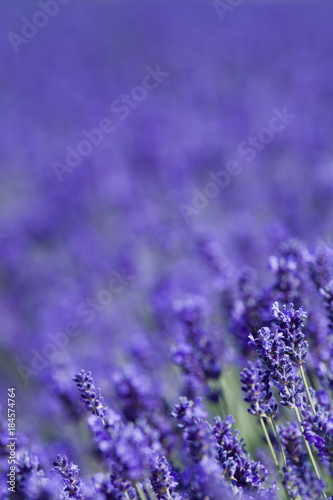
x,y
166,250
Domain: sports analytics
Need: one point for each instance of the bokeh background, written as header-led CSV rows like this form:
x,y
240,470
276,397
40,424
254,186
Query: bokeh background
x,y
118,211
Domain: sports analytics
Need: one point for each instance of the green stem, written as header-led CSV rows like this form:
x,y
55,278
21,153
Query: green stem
x,y
276,434
140,492
127,495
150,493
222,402
301,369
269,442
168,493
308,448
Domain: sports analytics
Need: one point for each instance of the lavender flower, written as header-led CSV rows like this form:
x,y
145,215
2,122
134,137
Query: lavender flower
x,y
64,391
299,475
205,480
163,478
271,348
290,323
204,475
29,473
320,266
290,269
318,430
327,294
246,313
292,395
197,354
238,467
256,385
294,483
70,476
197,432
278,349
291,439
89,394
128,449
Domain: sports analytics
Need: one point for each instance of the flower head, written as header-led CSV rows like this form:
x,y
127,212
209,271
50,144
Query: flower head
x,y
327,294
290,323
197,432
256,385
89,394
70,476
271,348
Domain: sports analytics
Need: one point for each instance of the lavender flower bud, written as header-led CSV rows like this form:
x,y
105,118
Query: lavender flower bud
x,y
327,294
197,354
271,349
89,394
290,323
318,430
240,470
163,478
70,475
255,380
197,432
